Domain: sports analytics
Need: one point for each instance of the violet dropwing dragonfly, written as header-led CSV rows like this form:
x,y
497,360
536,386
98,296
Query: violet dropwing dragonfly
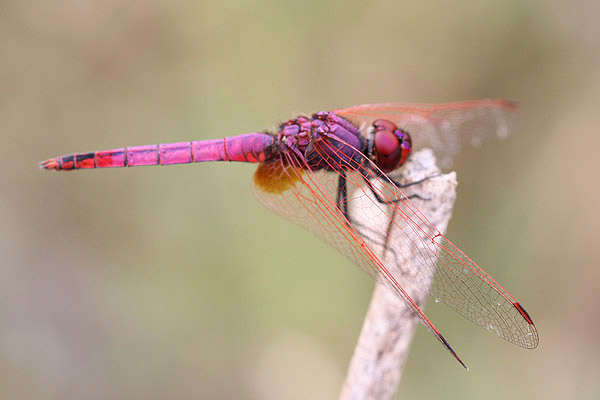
x,y
318,171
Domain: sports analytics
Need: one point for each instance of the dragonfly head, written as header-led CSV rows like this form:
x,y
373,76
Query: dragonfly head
x,y
392,145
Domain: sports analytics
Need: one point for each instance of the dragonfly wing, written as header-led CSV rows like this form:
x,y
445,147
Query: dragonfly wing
x,y
308,198
459,282
445,128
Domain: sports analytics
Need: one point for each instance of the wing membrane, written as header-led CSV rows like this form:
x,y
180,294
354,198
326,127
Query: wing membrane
x,y
445,128
374,201
310,202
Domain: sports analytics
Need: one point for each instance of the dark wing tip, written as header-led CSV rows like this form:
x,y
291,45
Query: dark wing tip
x,y
524,313
534,340
451,350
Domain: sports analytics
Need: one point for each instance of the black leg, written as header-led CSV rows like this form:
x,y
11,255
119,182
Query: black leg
x,y
415,182
412,196
342,194
386,237
365,231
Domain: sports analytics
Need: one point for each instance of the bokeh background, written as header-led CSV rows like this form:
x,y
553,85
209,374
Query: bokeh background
x,y
154,283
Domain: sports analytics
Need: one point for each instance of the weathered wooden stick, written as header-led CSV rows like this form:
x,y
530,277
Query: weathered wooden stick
x,y
384,342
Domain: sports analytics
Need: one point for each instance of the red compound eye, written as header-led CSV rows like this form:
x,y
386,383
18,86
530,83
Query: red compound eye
x,y
392,145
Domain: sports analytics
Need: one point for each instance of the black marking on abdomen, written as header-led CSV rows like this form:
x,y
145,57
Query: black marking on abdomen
x,y
87,156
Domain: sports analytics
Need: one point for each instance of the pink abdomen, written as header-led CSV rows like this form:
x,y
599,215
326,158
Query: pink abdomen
x,y
251,147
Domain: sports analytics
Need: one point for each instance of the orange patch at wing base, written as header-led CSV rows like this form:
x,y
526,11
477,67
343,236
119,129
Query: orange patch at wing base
x,y
276,176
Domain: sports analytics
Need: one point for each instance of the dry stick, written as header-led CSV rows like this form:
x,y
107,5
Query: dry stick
x,y
381,351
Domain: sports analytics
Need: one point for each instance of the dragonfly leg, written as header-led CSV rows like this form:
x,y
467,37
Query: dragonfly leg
x,y
342,195
365,231
401,186
374,236
415,182
402,198
414,196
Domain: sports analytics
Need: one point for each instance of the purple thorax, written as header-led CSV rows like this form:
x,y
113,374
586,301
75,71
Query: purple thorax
x,y
325,141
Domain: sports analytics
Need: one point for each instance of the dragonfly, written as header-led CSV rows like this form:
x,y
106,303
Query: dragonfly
x,y
319,171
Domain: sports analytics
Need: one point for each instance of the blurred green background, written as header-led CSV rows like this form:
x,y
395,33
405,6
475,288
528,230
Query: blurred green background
x,y
154,283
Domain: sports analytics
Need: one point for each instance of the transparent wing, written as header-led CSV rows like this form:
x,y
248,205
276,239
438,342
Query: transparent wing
x,y
308,198
445,128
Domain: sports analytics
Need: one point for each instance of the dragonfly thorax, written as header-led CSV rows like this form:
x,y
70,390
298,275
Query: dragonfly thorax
x,y
325,141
